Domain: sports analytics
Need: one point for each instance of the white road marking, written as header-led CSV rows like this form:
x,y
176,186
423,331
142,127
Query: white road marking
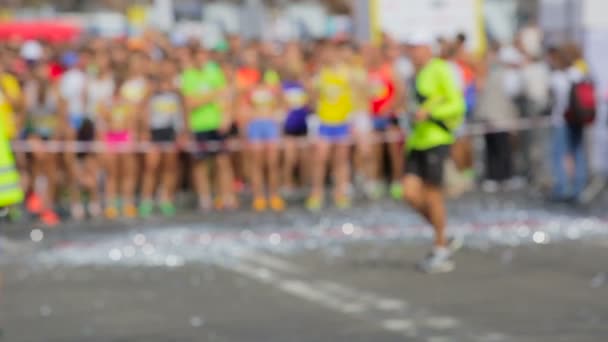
x,y
391,305
272,262
441,323
400,325
393,315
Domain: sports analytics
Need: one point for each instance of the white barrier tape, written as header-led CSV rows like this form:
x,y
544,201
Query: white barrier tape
x,y
55,146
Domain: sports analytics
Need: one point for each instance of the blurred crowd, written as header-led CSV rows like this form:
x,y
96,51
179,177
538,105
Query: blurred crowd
x,y
135,121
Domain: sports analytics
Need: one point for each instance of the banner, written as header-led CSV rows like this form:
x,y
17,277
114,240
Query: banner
x,y
443,18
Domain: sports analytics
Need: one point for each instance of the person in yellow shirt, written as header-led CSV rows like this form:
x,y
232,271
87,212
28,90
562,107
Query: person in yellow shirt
x,y
334,105
10,101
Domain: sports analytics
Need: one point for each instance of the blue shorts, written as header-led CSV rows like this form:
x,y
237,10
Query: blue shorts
x,y
76,120
263,130
334,133
382,123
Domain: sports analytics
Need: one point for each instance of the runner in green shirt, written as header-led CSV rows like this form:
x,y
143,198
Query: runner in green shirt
x,y
205,91
441,109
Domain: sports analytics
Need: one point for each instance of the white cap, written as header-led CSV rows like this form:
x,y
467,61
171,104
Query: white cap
x,y
31,50
421,38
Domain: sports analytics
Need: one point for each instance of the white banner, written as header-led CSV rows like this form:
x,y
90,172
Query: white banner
x,y
444,18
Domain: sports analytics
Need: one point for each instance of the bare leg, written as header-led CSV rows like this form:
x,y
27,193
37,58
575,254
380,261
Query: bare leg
x,y
272,162
413,190
152,163
225,179
321,156
396,155
200,177
342,170
289,162
256,161
169,177
90,169
52,178
128,177
304,161
461,153
436,212
111,188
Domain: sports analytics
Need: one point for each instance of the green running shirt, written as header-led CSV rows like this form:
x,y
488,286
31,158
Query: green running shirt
x,y
194,82
437,91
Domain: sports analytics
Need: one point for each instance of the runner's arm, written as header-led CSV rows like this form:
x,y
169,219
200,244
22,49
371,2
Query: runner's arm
x,y
452,103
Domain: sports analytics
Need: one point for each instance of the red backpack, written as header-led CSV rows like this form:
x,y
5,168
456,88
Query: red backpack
x,y
583,105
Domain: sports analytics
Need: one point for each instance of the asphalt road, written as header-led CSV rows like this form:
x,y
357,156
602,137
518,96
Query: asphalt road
x,y
339,277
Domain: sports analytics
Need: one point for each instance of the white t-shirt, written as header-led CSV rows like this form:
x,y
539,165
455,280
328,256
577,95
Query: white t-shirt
x,y
72,88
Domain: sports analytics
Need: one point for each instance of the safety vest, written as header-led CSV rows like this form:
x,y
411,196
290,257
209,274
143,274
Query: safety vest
x,y
10,189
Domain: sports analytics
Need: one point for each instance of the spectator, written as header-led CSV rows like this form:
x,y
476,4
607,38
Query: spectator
x,y
333,108
119,130
568,139
263,134
205,89
495,108
100,89
297,101
163,123
42,109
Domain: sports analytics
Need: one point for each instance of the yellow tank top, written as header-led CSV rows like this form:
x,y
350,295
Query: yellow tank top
x,y
335,96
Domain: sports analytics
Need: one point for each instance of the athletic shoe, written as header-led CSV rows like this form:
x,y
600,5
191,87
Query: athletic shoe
x,y
277,204
396,191
438,261
168,209
146,208
205,205
49,218
77,211
288,192
259,204
112,212
592,191
514,184
490,186
94,209
314,204
218,204
15,214
129,211
373,190
455,243
33,203
230,204
343,202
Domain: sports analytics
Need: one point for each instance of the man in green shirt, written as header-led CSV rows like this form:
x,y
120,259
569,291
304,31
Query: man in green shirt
x,y
205,91
440,109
